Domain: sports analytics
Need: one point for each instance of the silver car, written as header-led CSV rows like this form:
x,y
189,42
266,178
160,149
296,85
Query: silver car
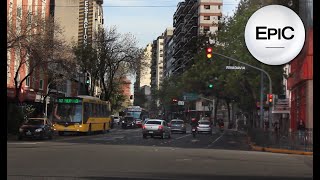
x,y
156,127
204,126
178,125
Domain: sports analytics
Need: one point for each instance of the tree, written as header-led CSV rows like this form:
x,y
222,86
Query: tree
x,y
117,55
36,46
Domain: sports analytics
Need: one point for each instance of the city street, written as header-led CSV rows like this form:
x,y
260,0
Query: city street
x,y
123,153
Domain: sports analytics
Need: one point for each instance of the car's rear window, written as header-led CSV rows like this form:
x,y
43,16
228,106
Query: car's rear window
x,y
204,122
153,122
176,122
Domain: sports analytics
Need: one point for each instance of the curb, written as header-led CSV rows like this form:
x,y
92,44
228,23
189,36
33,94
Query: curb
x,y
276,150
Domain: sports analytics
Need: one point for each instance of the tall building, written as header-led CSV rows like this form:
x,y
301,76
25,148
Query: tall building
x,y
191,19
145,72
168,52
80,20
34,87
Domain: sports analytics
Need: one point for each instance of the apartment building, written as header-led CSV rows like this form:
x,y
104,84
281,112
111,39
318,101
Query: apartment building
x,y
168,52
80,20
192,18
20,14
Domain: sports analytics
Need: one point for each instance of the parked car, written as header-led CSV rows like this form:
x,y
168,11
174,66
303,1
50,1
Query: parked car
x,y
36,128
204,126
178,125
138,122
156,127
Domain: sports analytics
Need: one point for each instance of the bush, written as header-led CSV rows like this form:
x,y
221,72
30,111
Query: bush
x,y
14,118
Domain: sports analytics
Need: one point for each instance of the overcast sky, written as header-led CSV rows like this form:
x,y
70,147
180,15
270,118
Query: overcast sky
x,y
146,23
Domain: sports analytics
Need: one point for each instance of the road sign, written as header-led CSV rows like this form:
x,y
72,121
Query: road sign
x,y
181,103
190,96
281,106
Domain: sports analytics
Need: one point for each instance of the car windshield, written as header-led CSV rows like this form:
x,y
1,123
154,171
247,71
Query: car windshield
x,y
176,122
153,122
34,122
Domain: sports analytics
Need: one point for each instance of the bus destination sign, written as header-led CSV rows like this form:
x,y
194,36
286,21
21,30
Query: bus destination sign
x,y
69,101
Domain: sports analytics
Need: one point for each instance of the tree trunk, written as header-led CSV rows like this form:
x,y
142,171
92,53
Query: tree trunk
x,y
216,109
228,107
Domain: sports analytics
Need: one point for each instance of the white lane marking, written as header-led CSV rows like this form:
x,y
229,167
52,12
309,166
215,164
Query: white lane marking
x,y
24,143
215,140
183,136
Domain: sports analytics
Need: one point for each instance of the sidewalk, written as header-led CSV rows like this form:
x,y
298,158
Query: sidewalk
x,y
260,140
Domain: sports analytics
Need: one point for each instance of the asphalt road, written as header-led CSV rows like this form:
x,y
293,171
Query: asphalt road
x,y
124,154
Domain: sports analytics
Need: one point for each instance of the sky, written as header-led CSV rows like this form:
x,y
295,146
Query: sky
x,y
146,23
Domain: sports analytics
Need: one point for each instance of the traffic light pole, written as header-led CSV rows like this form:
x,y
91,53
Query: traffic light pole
x,y
270,81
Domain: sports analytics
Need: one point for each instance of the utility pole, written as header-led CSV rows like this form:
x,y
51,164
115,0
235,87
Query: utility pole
x,y
261,102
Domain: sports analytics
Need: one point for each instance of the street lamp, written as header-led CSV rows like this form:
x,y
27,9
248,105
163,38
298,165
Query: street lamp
x,y
46,107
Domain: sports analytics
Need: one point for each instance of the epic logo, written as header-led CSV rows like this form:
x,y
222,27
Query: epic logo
x,y
274,35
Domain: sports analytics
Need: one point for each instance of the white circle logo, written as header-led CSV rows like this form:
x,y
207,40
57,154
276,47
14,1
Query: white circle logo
x,y
274,35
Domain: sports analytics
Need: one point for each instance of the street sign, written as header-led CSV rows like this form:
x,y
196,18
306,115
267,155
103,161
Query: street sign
x,y
281,106
181,103
236,67
190,96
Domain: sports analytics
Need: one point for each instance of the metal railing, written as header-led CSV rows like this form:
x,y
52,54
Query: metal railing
x,y
299,140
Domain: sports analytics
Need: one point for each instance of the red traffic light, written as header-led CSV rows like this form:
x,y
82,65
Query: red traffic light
x,y
209,50
270,98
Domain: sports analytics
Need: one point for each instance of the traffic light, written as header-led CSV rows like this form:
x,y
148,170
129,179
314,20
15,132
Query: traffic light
x,y
87,78
209,52
270,98
210,85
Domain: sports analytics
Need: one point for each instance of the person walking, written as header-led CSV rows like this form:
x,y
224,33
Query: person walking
x,y
301,130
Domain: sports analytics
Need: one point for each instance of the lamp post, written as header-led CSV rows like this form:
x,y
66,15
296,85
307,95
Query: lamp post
x,y
46,107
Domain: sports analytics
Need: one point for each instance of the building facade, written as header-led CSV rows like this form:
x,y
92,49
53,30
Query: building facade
x,y
168,52
80,20
20,15
191,19
300,81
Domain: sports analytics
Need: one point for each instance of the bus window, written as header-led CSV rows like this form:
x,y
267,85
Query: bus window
x,y
85,112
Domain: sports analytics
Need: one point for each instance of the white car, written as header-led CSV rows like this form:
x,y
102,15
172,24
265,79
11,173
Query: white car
x,y
116,120
204,126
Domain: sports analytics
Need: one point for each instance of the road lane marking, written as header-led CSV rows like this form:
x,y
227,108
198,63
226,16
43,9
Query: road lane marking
x,y
215,141
25,143
183,136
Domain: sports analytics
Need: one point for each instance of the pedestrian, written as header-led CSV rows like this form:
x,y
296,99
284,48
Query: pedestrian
x,y
301,129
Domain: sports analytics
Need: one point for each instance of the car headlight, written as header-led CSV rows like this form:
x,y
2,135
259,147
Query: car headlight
x,y
20,130
122,121
38,130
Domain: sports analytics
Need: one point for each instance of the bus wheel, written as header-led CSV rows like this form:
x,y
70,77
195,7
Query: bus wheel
x,y
61,133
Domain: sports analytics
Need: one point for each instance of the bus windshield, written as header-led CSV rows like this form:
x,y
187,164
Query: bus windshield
x,y
136,115
68,113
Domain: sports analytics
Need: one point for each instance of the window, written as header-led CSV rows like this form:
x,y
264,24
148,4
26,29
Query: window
x,y
219,7
28,81
206,28
206,6
206,17
219,17
41,84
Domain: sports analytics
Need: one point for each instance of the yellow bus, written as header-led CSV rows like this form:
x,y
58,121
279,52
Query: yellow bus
x,y
82,114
